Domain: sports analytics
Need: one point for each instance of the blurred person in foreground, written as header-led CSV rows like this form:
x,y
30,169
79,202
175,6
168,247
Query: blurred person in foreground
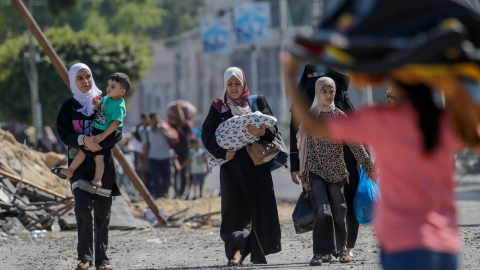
x,y
415,220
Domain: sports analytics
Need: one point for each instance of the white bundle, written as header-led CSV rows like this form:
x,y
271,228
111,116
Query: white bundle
x,y
233,134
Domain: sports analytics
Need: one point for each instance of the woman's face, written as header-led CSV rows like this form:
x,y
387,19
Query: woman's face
x,y
327,95
84,80
234,88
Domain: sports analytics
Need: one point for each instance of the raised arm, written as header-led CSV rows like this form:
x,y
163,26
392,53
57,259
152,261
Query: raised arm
x,y
208,135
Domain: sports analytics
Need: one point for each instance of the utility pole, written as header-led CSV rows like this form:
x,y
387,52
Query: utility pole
x,y
283,35
254,67
36,106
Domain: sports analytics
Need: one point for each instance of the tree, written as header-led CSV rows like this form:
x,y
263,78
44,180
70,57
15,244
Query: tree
x,y
103,53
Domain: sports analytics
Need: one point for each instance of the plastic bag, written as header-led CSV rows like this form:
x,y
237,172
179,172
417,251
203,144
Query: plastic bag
x,y
367,195
303,214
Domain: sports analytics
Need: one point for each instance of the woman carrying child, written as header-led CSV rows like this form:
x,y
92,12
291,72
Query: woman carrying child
x,y
249,212
74,124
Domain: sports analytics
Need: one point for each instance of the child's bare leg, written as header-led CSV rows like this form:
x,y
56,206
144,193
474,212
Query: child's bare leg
x,y
99,168
76,162
201,191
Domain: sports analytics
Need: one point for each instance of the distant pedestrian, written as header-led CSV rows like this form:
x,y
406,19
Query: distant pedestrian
x,y
198,168
182,149
157,151
49,142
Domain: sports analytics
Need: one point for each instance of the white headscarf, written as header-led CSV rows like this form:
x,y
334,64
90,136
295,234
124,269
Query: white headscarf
x,y
236,107
85,99
316,108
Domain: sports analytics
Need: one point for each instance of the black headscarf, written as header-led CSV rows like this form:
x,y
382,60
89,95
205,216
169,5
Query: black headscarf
x,y
307,85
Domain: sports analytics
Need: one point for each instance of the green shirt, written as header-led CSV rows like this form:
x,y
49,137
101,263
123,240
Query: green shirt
x,y
110,110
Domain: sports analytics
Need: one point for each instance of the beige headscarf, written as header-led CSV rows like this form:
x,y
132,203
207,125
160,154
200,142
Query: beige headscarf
x,y
316,108
239,106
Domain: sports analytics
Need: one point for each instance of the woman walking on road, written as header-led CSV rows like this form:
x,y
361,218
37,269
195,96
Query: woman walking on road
x,y
307,82
324,173
250,222
74,124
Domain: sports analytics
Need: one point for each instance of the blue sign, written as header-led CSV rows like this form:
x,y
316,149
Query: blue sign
x,y
252,22
217,36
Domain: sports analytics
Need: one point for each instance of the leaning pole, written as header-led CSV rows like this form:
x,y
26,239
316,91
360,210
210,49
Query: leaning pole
x,y
62,70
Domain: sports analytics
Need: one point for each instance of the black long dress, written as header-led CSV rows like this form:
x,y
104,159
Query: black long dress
x,y
342,101
249,210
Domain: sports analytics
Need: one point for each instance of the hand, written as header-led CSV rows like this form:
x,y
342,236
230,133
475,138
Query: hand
x,y
96,104
256,131
295,177
90,144
178,167
99,138
230,154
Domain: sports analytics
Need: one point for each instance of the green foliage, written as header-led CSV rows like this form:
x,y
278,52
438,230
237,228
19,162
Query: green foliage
x,y
55,7
103,53
153,19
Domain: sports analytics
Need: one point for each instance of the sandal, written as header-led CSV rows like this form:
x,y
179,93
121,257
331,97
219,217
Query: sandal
x,y
237,259
316,260
105,267
327,258
350,252
56,171
344,256
84,265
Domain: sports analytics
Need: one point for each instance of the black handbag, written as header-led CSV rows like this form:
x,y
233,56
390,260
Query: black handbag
x,y
303,214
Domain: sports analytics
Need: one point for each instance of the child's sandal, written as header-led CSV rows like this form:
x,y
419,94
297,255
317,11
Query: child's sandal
x,y
57,172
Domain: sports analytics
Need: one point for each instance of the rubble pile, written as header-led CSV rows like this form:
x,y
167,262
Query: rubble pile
x,y
31,197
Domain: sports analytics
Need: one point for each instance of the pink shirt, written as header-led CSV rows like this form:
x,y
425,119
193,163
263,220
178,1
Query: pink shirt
x,y
416,210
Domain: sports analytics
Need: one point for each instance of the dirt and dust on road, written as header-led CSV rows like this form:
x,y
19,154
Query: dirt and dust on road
x,y
174,248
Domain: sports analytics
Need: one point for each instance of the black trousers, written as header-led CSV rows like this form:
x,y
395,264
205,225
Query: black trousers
x,y
329,211
101,206
159,182
181,186
352,222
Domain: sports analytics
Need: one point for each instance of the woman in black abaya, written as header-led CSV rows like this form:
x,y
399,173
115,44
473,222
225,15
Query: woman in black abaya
x,y
250,222
310,75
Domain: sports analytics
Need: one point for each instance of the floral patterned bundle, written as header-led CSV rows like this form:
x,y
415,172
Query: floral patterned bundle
x,y
233,134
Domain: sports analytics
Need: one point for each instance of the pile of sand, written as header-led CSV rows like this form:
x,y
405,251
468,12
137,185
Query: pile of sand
x,y
199,206
36,165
